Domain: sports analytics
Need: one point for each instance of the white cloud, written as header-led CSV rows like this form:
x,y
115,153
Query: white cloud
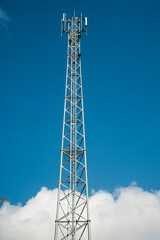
x,y
134,215
129,213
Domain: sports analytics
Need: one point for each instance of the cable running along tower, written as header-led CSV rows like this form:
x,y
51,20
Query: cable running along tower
x,y
72,217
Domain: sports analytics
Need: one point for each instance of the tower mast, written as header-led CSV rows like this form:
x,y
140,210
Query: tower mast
x,y
72,217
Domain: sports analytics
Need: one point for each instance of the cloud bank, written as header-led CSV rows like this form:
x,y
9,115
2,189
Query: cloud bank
x,y
129,213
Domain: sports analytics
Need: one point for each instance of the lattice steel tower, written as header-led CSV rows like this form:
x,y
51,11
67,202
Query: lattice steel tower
x,y
72,218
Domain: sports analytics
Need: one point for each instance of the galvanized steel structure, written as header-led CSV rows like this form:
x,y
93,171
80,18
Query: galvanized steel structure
x,y
72,217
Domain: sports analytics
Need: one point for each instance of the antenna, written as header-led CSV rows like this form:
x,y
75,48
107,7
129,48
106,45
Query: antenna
x,y
80,22
86,24
63,23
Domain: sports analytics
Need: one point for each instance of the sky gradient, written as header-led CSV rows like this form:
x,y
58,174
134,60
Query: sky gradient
x,y
121,85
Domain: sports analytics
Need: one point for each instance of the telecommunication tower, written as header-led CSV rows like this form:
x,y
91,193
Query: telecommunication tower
x,y
72,217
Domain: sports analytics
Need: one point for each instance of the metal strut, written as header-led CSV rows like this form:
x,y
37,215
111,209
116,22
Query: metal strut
x,y
72,217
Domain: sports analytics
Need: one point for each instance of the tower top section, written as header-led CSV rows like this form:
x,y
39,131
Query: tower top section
x,y
68,25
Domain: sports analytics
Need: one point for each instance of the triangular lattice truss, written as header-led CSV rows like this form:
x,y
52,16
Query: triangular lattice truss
x,y
72,219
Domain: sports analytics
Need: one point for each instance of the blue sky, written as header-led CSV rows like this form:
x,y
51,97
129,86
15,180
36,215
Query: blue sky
x,y
121,81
